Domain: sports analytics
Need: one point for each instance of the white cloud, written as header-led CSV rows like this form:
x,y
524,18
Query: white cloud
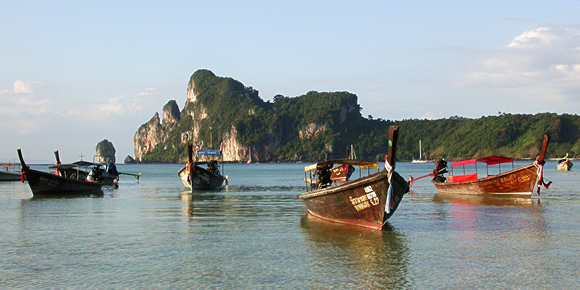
x,y
541,36
540,64
147,92
32,101
429,116
555,37
21,87
122,105
25,87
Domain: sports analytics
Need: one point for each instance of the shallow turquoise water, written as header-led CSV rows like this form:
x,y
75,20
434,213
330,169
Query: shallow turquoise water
x,y
255,233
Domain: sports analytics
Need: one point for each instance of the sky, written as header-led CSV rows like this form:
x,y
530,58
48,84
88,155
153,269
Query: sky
x,y
73,73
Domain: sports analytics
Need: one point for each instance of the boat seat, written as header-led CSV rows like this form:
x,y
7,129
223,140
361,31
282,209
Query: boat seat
x,y
462,178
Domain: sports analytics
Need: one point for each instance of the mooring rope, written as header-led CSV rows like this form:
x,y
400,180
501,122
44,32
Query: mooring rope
x,y
381,228
555,183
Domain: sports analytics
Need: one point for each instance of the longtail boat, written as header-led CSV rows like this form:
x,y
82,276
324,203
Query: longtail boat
x,y
8,172
106,173
67,180
564,164
367,201
202,174
518,182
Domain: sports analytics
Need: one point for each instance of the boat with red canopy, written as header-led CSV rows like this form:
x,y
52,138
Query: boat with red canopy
x,y
515,182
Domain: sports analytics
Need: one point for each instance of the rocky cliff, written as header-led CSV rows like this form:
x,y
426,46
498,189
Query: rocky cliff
x,y
223,112
155,132
105,152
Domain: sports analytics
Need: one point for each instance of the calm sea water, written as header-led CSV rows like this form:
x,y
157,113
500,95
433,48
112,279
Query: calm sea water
x,y
256,233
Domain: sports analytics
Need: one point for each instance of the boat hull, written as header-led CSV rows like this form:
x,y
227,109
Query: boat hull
x,y
48,184
359,202
9,176
518,182
564,166
200,178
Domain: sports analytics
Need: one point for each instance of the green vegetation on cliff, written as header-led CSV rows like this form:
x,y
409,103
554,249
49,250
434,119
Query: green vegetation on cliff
x,y
321,125
517,136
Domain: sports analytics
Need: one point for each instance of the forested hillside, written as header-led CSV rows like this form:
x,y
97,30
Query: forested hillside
x,y
321,125
517,136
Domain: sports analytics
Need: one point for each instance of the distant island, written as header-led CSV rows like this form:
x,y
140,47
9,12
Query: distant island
x,y
222,112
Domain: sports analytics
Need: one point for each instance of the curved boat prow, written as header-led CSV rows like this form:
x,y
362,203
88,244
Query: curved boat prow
x,y
543,150
22,163
57,157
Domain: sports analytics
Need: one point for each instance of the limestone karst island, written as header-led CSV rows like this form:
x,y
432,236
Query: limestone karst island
x,y
221,111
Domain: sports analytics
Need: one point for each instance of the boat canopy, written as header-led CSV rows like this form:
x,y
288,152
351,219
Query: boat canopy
x,y
86,163
491,160
81,163
360,163
209,152
9,164
63,166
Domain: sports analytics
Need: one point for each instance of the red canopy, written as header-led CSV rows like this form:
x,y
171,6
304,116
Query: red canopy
x,y
488,160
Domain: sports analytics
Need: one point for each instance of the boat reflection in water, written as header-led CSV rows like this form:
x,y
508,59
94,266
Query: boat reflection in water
x,y
506,221
375,258
470,199
207,205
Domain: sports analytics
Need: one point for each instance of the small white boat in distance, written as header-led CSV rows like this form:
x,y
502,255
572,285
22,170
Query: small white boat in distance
x,y
420,160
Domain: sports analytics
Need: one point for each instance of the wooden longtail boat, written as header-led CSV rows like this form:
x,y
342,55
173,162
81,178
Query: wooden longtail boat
x,y
564,164
516,182
368,201
68,180
98,172
106,173
7,172
194,176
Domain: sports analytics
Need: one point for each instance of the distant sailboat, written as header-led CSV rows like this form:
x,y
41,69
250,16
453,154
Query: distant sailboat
x,y
420,160
249,155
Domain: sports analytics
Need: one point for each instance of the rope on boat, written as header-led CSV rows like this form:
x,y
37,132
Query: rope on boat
x,y
381,228
567,188
555,184
540,176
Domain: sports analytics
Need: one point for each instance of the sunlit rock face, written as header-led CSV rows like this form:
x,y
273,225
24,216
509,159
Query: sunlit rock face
x,y
105,152
220,112
154,132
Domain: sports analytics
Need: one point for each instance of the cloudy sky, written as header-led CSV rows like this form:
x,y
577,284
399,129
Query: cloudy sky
x,y
73,73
